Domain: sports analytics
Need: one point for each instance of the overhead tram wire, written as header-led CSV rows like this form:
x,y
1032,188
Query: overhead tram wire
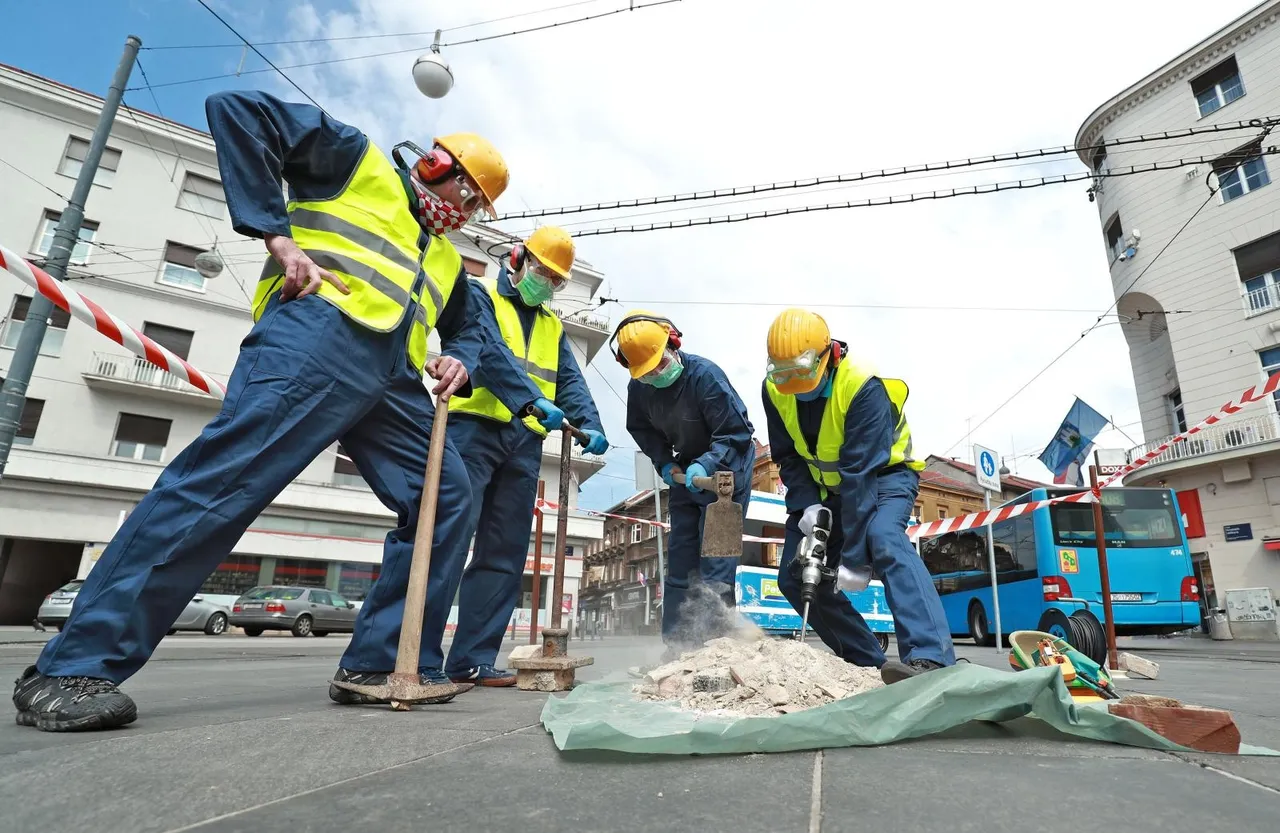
x,y
390,53
887,173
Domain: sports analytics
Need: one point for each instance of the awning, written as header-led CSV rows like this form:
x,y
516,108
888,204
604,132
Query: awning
x,y
1271,544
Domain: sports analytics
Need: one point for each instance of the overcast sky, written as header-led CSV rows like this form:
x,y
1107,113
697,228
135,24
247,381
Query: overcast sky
x,y
701,94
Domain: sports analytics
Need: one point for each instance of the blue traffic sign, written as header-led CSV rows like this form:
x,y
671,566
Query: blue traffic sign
x,y
988,464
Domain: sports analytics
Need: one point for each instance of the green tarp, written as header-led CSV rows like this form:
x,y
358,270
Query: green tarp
x,y
607,716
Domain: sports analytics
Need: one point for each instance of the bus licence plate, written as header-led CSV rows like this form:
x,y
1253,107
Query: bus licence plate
x,y
1126,597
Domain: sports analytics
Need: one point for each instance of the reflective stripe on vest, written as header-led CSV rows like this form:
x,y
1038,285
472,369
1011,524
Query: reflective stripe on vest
x,y
824,466
369,238
540,358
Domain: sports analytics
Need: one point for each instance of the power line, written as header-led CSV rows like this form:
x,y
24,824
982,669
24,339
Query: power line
x,y
885,173
258,52
429,32
391,53
825,304
902,199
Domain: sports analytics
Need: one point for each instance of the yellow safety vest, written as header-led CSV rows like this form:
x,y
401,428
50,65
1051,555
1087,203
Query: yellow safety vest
x,y
849,379
540,358
368,236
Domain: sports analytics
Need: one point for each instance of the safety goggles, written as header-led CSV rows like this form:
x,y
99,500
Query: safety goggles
x,y
660,370
546,273
803,367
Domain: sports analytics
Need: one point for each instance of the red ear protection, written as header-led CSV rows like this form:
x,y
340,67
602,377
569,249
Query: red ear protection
x,y
518,256
673,334
435,166
837,352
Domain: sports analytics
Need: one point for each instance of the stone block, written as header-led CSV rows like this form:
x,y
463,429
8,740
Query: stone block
x,y
713,680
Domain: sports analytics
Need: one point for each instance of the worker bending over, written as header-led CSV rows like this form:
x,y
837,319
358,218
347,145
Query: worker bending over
x,y
503,451
360,272
840,437
687,419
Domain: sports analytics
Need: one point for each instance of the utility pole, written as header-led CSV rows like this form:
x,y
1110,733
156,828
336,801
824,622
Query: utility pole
x,y
13,395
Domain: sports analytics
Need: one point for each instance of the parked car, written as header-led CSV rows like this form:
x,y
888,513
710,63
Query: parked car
x,y
200,614
304,611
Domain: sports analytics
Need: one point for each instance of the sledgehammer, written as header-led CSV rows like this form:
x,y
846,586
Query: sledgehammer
x,y
403,686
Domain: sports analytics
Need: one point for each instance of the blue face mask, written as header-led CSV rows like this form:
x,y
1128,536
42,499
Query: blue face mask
x,y
822,391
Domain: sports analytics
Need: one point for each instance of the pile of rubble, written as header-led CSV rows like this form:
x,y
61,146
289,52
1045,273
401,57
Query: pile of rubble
x,y
765,677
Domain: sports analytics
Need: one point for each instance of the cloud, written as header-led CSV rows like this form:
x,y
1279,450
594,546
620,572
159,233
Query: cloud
x,y
702,94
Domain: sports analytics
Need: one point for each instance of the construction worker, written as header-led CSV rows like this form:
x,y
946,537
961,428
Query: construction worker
x,y
839,435
503,451
688,420
360,272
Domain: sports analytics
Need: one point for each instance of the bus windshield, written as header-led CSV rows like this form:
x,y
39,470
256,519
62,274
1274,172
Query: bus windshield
x,y
1131,518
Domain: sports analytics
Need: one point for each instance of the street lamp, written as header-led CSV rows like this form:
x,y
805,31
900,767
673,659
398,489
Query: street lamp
x,y
431,72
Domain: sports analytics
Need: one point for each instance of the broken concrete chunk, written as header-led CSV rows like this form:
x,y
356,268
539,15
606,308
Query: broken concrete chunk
x,y
1138,666
833,691
775,694
713,680
660,673
670,687
525,652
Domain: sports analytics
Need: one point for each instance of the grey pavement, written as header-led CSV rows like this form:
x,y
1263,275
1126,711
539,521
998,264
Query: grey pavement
x,y
237,734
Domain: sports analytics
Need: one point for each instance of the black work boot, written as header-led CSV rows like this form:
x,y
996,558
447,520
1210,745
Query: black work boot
x,y
350,698
70,704
895,672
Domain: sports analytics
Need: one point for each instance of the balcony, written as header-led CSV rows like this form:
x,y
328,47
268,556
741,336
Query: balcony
x,y
131,374
592,329
1261,301
1238,435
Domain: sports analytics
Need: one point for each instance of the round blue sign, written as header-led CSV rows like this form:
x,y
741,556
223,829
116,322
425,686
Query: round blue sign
x,y
988,464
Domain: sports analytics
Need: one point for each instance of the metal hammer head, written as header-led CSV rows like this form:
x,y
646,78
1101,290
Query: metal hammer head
x,y
404,690
722,527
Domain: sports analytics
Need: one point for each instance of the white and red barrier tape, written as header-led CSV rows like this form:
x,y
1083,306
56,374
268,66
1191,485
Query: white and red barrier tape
x,y
548,507
106,323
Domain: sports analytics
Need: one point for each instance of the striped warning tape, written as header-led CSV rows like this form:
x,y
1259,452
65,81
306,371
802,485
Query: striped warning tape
x,y
547,507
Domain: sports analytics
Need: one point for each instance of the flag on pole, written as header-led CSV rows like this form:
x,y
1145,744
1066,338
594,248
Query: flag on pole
x,y
1066,453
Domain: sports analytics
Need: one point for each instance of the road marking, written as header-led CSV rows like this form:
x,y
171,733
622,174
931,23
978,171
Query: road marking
x,y
815,796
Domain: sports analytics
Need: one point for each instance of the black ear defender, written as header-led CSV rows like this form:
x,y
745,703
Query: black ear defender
x,y
673,334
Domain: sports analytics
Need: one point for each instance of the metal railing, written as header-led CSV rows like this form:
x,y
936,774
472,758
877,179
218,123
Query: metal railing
x,y
1261,301
581,317
139,371
1225,436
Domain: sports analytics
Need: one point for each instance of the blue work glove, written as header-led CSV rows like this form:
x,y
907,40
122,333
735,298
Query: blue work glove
x,y
696,470
596,443
554,418
667,476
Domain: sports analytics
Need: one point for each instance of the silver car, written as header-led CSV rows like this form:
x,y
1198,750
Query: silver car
x,y
200,614
304,611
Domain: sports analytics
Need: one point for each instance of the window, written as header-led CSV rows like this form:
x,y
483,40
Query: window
x,y
53,334
1099,160
179,267
918,513
203,196
321,597
1218,87
79,254
1258,264
1270,366
635,533
73,161
1115,237
345,472
141,437
1177,415
236,574
942,512
301,572
30,419
1240,172
1131,518
474,267
356,580
177,341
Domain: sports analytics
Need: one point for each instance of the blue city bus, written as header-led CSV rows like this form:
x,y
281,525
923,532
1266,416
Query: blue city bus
x,y
1047,570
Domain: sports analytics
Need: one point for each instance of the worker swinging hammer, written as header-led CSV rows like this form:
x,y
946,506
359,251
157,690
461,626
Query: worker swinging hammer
x,y
360,272
690,422
839,434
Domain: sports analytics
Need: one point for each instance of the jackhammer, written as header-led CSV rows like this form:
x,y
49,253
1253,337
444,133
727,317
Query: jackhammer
x,y
815,566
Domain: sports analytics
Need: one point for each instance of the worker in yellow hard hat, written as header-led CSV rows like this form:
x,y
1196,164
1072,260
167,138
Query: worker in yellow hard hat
x,y
502,448
360,272
838,432
690,422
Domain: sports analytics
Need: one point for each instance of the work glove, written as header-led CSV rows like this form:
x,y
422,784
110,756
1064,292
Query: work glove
x,y
595,444
808,519
696,470
553,417
853,580
668,474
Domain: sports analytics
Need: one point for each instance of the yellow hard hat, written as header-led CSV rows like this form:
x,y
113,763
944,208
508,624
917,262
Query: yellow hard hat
x,y
482,162
798,350
642,339
553,247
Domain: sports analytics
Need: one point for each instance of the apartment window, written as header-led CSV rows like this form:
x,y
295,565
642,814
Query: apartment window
x,y
80,253
1258,264
141,437
1177,414
28,422
53,334
73,161
179,267
174,339
203,196
1270,366
474,267
1217,87
1099,159
1240,172
635,533
942,512
345,472
918,514
1115,237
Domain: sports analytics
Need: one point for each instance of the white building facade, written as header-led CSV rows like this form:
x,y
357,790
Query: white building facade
x,y
1203,323
100,424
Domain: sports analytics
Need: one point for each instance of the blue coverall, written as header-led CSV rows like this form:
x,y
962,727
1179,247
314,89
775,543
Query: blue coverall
x,y
503,461
698,419
306,376
869,512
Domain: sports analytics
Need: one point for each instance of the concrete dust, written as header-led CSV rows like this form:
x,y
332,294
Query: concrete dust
x,y
755,677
